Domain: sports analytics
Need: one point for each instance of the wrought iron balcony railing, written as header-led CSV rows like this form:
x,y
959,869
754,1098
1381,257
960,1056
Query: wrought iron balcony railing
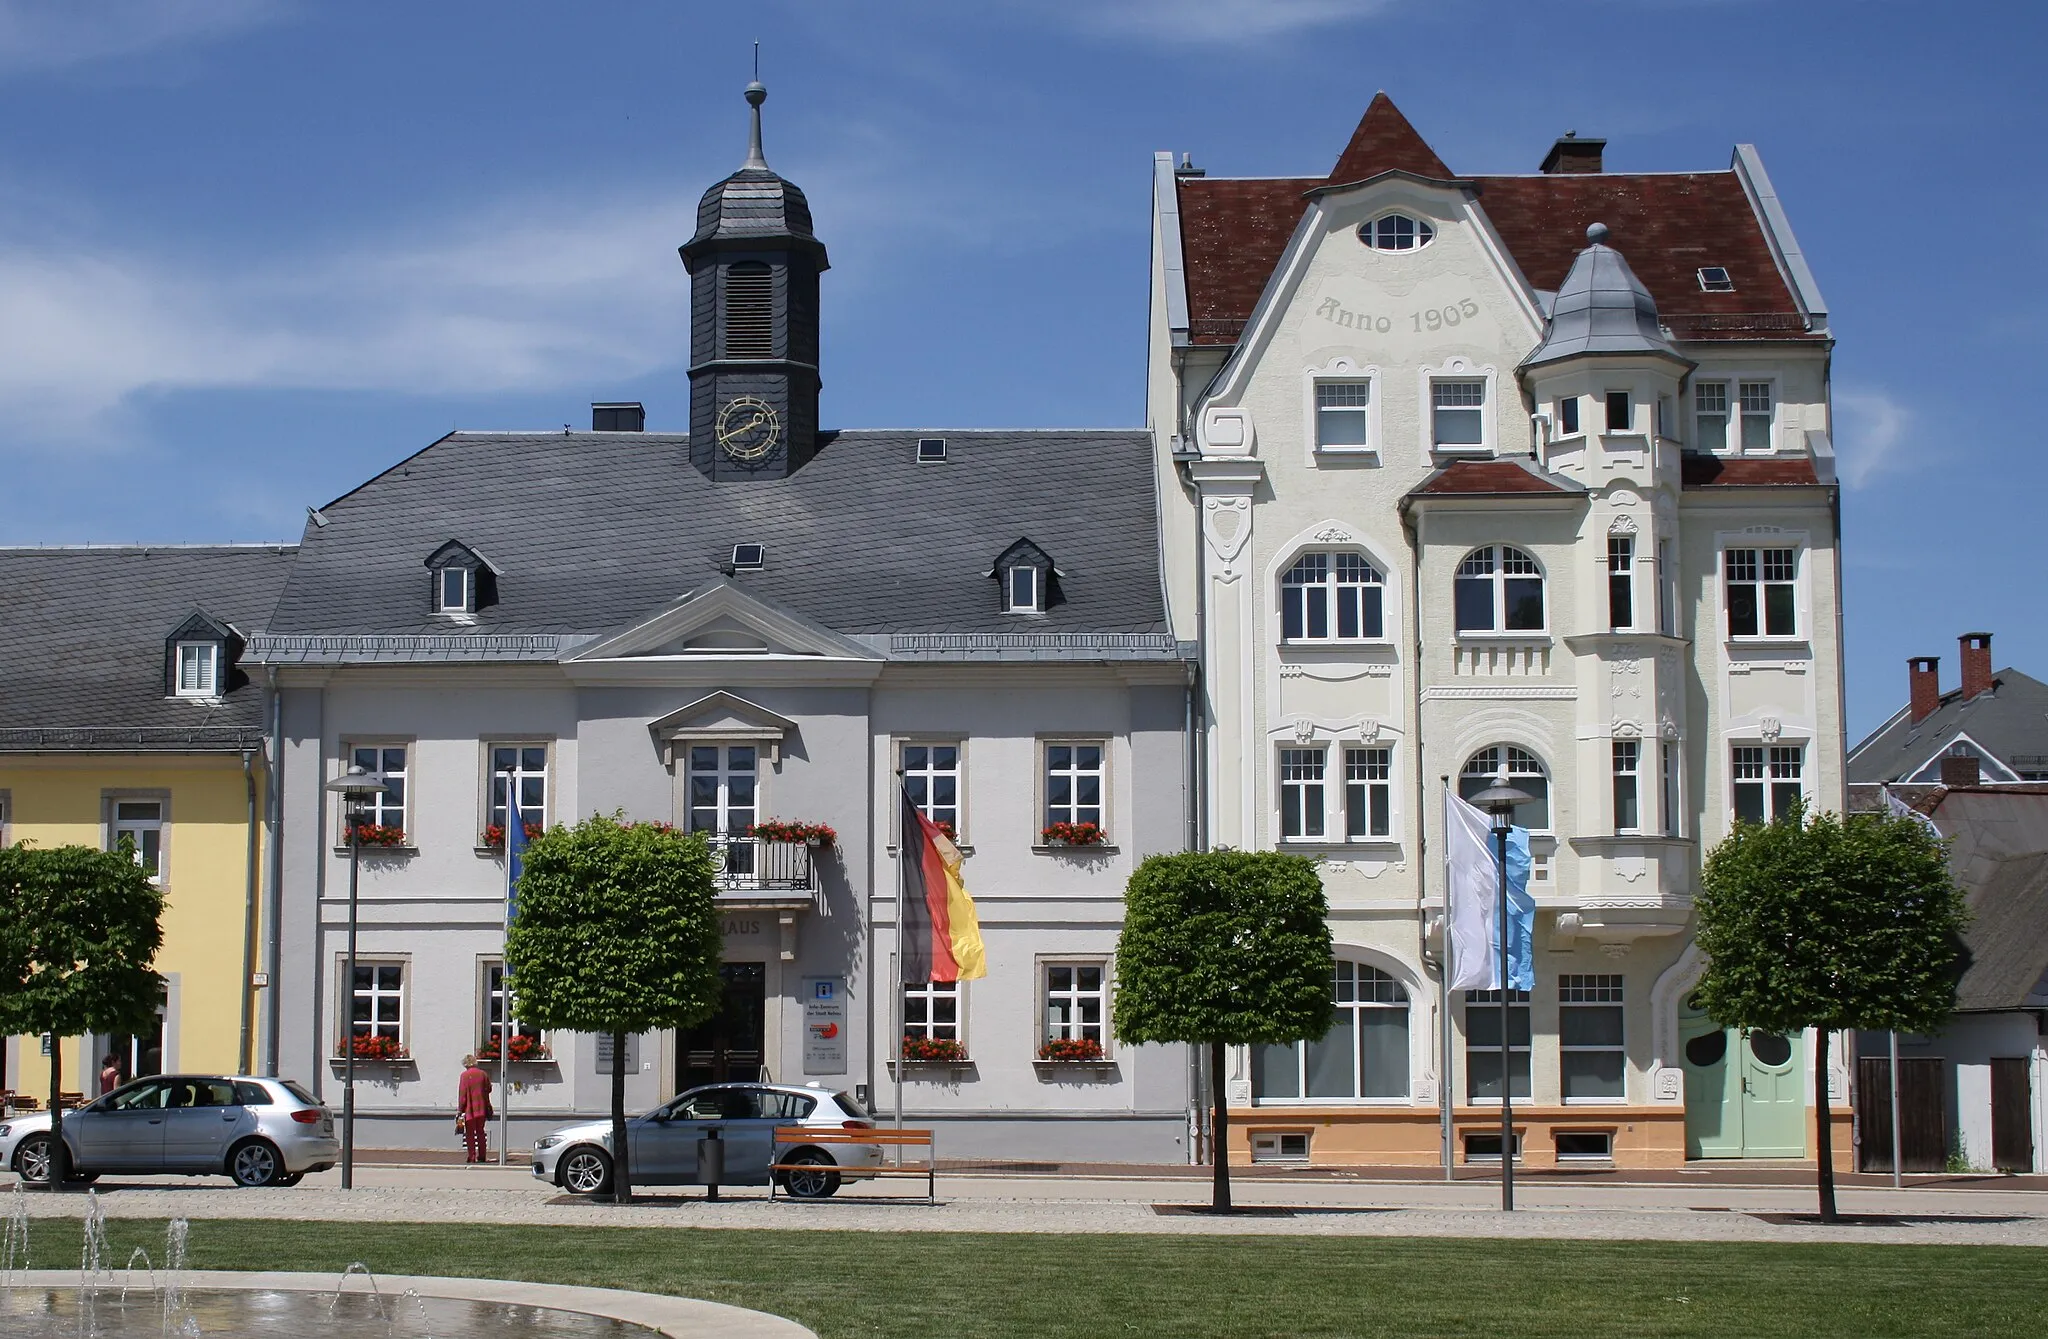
x,y
748,864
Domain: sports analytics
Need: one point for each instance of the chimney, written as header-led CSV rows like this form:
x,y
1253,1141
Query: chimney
x,y
624,417
1976,663
1958,767
1923,675
1572,155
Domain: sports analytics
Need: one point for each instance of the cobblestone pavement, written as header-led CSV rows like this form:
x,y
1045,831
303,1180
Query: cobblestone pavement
x,y
1066,1205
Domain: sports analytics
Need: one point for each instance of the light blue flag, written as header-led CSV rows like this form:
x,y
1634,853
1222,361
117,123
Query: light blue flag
x,y
1521,914
515,851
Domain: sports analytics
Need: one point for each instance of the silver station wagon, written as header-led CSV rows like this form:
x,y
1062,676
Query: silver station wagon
x,y
663,1142
261,1132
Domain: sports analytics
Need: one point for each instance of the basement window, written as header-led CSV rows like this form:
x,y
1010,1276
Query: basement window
x,y
1714,279
931,450
748,557
1280,1146
1486,1148
1583,1145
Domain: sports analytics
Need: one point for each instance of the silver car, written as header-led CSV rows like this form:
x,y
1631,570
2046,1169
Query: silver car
x,y
261,1132
745,1116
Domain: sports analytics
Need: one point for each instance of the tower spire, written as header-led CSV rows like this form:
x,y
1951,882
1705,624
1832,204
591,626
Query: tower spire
x,y
757,93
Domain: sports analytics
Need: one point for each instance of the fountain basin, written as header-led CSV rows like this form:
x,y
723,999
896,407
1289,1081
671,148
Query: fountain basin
x,y
232,1304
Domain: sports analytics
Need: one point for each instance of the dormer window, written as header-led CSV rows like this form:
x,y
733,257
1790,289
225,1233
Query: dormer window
x,y
198,669
1023,588
455,591
464,581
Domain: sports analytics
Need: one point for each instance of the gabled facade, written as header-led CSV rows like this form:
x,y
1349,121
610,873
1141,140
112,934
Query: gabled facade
x,y
751,622
1991,728
1502,475
131,718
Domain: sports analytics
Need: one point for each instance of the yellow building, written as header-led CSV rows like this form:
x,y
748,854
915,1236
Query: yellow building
x,y
127,717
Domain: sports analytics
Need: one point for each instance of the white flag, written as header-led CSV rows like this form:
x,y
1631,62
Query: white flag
x,y
1473,894
1898,808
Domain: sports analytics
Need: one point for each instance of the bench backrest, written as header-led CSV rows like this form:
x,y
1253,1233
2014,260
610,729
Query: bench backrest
x,y
805,1134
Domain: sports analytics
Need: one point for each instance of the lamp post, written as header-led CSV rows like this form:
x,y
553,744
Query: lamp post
x,y
1499,800
356,787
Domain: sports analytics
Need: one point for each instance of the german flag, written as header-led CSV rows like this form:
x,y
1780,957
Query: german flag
x,y
941,938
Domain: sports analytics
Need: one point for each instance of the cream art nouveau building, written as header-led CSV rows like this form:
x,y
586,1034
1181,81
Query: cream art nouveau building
x,y
1521,473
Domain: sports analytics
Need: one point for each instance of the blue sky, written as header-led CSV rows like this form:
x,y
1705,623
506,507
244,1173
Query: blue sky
x,y
254,250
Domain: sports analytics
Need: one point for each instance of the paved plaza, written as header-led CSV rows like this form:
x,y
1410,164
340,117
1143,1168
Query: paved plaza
x,y
1983,1213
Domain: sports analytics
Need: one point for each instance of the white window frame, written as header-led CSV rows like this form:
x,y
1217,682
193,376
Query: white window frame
x,y
1301,773
1745,416
1569,407
1772,759
1033,601
1422,232
1488,1001
382,810
344,1029
1530,764
489,990
468,602
1364,408
1671,786
1761,584
1459,369
1381,982
1628,412
1360,760
1626,756
1667,589
1341,371
137,827
932,994
930,772
1332,585
1074,1028
1724,390
1075,772
1621,579
491,774
207,654
1497,575
1588,991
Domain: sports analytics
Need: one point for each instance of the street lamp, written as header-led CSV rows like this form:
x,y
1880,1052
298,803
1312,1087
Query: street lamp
x,y
1499,800
356,787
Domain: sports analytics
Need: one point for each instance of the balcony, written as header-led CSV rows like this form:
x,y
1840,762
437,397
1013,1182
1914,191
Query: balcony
x,y
755,873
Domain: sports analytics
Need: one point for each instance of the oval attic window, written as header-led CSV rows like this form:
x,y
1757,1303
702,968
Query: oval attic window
x,y
1396,232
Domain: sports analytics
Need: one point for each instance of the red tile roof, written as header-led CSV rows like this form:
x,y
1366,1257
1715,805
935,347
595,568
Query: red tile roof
x,y
1669,225
1385,142
1720,472
1486,476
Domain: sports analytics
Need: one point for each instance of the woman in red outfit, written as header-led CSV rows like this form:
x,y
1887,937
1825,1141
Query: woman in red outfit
x,y
473,1109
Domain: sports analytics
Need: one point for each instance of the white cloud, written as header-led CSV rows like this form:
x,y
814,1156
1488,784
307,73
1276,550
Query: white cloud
x,y
1207,21
1870,429
53,34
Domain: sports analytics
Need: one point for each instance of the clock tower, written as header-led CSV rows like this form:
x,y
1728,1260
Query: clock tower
x,y
754,267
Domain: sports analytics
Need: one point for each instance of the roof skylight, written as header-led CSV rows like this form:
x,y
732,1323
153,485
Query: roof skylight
x,y
1714,279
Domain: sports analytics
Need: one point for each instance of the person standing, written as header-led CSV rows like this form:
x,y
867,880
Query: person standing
x,y
473,1109
110,1075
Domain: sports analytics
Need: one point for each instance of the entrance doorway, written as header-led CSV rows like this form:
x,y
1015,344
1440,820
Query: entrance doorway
x,y
727,1047
1745,1092
138,1055
1923,1125
2012,1115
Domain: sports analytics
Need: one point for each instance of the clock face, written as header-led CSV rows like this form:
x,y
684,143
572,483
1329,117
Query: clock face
x,y
748,428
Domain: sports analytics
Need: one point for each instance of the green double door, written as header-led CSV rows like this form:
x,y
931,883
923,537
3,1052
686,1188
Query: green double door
x,y
1745,1092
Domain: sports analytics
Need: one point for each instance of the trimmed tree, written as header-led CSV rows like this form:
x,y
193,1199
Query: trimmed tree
x,y
617,934
1832,924
1224,948
79,930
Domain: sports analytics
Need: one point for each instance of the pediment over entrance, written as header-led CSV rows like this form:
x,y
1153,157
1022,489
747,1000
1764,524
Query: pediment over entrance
x,y
725,717
719,621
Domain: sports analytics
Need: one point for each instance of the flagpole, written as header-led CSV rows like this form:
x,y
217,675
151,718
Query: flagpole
x,y
896,959
1443,1010
512,816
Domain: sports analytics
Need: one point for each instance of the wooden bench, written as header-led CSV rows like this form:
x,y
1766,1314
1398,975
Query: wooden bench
x,y
791,1135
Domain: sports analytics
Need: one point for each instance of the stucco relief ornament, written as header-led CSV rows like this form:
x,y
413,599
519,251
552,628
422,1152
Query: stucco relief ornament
x,y
1770,727
1335,534
1227,521
1625,729
1369,731
1670,1084
1304,729
1668,728
1622,525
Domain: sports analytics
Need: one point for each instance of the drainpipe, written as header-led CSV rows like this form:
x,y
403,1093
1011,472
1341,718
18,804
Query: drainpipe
x,y
245,1056
273,911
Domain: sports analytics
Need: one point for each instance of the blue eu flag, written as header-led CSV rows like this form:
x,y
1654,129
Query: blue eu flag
x,y
515,853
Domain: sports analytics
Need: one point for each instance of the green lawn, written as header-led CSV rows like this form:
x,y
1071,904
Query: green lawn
x,y
934,1286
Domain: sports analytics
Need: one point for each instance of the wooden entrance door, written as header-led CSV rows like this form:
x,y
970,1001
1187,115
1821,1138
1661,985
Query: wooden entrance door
x,y
1923,1124
2012,1116
727,1048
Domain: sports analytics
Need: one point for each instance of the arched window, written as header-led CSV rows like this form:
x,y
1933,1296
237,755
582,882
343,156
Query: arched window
x,y
1331,597
1524,773
749,311
1499,589
1363,1055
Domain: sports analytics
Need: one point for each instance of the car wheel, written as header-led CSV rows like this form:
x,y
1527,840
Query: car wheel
x,y
804,1183
586,1171
256,1163
32,1160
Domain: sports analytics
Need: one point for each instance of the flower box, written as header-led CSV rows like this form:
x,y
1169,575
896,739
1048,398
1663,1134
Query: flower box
x,y
1072,1051
526,1049
933,1051
386,835
1072,834
373,1048
494,835
793,831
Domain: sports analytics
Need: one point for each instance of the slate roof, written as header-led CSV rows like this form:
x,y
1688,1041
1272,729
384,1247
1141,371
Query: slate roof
x,y
595,532
2008,937
1491,478
1669,224
2010,722
82,644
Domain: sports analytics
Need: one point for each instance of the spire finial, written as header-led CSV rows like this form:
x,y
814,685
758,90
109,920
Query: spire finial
x,y
1596,234
757,93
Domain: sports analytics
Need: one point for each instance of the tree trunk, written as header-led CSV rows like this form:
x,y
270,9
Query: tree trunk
x,y
622,1180
1824,1141
1219,1132
60,1156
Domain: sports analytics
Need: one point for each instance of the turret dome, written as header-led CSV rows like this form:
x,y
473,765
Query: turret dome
x,y
1601,308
